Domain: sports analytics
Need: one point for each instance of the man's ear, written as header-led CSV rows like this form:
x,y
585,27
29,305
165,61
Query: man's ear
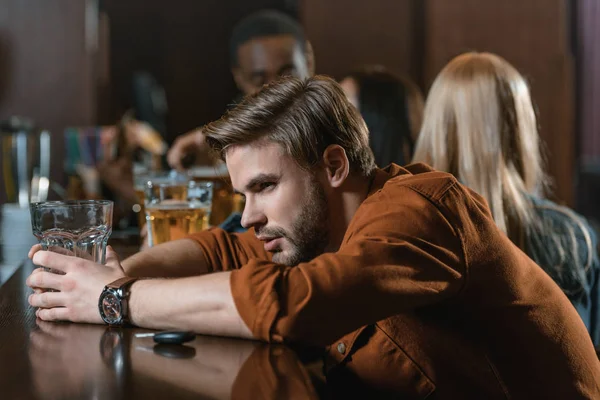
x,y
238,78
310,58
337,166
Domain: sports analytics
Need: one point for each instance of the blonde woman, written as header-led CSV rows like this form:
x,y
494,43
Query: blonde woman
x,y
479,124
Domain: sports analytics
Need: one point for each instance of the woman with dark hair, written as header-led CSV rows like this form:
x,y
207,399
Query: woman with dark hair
x,y
480,125
392,108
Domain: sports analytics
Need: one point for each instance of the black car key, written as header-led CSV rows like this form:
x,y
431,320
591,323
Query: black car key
x,y
170,337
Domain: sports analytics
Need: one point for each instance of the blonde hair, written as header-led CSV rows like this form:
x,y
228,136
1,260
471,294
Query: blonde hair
x,y
479,124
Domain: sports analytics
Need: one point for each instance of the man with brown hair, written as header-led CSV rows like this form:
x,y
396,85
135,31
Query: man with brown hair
x,y
400,273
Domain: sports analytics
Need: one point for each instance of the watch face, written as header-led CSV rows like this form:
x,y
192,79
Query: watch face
x,y
111,308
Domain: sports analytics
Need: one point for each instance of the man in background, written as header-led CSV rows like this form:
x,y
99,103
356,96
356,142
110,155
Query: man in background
x,y
264,46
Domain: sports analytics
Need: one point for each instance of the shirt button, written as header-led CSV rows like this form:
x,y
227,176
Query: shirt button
x,y
341,348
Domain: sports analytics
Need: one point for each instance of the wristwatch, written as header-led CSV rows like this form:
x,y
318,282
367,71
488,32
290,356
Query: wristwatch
x,y
113,303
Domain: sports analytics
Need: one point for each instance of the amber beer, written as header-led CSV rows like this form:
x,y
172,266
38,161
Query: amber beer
x,y
224,201
175,221
141,186
178,193
175,210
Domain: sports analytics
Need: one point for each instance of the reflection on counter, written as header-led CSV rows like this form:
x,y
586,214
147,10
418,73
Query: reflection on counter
x,y
98,362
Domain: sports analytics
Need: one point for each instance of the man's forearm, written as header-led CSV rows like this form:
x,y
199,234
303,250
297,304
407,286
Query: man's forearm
x,y
178,258
203,304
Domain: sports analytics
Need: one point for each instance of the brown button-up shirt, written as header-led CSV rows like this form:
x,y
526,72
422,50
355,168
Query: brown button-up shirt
x,y
424,297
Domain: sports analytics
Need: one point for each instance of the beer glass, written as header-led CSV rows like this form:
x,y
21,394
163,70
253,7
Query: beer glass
x,y
175,210
75,228
140,181
222,202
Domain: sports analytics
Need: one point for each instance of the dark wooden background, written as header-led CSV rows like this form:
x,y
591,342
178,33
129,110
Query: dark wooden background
x,y
51,73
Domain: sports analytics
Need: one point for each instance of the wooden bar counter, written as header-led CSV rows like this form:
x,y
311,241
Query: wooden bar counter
x,y
45,360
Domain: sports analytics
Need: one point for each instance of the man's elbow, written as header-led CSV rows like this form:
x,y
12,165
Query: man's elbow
x,y
299,330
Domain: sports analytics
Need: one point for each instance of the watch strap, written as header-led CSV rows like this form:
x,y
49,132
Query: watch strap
x,y
121,282
121,286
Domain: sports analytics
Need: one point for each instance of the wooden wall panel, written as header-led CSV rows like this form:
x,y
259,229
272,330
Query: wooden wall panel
x,y
588,19
349,33
587,30
525,31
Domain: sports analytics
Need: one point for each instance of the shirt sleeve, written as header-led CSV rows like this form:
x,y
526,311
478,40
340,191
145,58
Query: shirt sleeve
x,y
398,254
225,251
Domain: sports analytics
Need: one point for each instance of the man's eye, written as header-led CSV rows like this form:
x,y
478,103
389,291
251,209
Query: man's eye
x,y
288,72
265,185
258,82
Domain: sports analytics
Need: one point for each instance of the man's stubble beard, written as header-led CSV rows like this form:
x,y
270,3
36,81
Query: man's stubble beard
x,y
309,234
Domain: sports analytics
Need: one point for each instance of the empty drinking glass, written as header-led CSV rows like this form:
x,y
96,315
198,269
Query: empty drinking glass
x,y
76,228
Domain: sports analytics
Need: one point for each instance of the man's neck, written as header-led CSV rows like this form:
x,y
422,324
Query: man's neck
x,y
343,208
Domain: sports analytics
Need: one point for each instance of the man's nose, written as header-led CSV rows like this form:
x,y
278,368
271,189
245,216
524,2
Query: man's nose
x,y
252,215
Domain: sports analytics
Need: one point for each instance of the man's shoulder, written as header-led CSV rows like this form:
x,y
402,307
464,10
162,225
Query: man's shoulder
x,y
419,178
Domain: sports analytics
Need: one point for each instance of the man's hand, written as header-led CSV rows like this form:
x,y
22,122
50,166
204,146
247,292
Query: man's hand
x,y
78,290
191,145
